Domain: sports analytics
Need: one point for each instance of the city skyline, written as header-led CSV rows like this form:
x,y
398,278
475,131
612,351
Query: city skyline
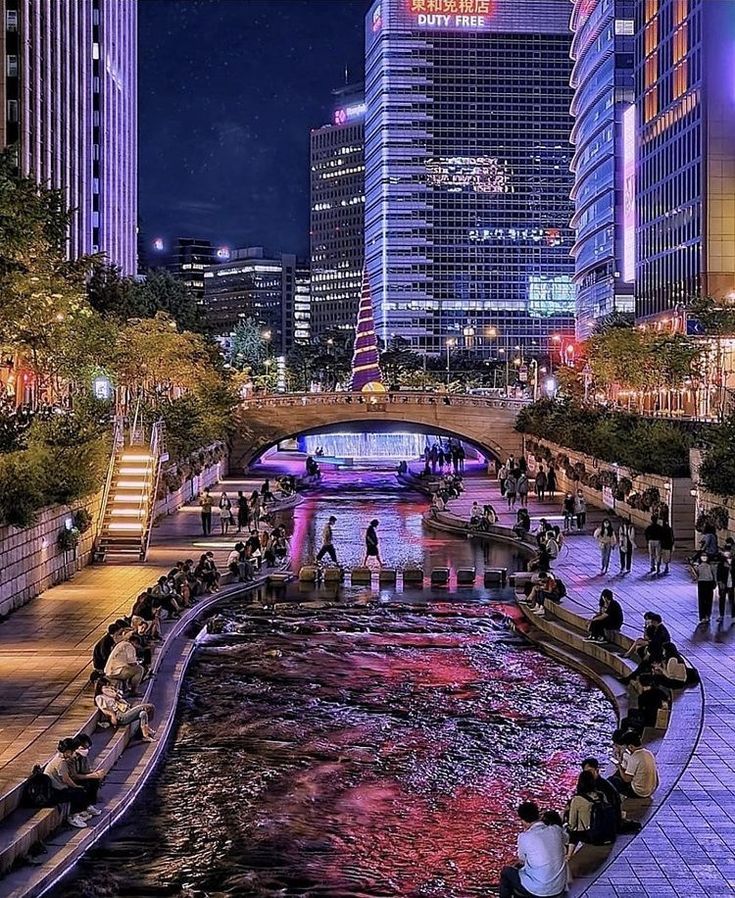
x,y
220,127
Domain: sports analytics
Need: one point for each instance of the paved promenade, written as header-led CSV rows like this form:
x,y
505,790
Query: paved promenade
x,y
46,646
687,849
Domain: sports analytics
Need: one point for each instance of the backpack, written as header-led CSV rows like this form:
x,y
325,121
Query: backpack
x,y
693,678
561,588
38,791
603,828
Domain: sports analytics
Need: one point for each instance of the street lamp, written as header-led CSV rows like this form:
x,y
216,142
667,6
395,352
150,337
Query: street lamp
x,y
450,343
502,351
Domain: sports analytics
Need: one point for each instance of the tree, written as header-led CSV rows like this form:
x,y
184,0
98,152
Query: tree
x,y
43,293
162,292
155,361
115,296
399,360
299,366
249,348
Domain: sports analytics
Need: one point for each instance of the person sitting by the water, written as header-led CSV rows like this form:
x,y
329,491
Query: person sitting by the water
x,y
102,648
256,552
208,576
609,617
82,773
122,664
238,564
638,776
437,504
489,517
522,525
671,671
475,516
120,712
652,652
541,870
277,547
548,589
59,770
402,467
592,765
582,826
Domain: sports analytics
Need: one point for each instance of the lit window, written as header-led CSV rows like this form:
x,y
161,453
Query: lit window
x,y
624,26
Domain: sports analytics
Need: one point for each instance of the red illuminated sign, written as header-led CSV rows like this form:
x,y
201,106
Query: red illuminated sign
x,y
450,13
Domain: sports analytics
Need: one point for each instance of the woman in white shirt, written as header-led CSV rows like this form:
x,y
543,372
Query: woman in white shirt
x,y
119,712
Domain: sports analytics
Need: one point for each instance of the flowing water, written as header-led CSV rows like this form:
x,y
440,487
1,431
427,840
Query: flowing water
x,y
355,744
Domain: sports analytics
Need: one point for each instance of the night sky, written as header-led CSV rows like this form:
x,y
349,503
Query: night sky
x,y
229,90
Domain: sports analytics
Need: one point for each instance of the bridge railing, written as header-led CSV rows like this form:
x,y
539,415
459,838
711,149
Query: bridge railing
x,y
381,400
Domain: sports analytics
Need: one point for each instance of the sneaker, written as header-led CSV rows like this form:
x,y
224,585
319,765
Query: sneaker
x,y
539,611
591,639
93,811
77,821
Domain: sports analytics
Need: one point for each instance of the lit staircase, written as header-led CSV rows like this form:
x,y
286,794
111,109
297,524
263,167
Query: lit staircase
x,y
129,501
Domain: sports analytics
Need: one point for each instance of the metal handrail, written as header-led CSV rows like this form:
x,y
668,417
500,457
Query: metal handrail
x,y
153,473
118,440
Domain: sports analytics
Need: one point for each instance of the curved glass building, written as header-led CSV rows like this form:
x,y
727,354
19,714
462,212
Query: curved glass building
x,y
603,136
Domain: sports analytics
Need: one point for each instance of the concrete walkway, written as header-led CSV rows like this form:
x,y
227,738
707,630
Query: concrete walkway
x,y
46,646
687,850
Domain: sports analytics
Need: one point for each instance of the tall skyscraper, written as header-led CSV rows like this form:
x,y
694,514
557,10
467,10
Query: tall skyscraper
x,y
603,136
467,153
69,84
338,213
253,283
685,151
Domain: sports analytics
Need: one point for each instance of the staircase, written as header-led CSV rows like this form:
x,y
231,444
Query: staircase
x,y
129,498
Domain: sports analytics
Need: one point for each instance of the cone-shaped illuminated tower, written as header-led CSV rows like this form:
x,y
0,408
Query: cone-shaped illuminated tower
x,y
365,359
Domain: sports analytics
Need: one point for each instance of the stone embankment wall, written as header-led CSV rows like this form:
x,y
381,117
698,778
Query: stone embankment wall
x,y
31,560
675,492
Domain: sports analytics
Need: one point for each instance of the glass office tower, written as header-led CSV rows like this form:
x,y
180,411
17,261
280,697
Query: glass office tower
x,y
467,155
685,151
604,138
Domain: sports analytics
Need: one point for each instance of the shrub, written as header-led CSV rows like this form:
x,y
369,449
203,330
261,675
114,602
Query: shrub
x,y
717,471
82,520
68,539
20,492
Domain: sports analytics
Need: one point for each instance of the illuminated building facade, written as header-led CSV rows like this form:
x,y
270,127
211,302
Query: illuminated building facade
x,y
253,283
685,190
338,213
604,159
190,258
68,83
467,155
297,311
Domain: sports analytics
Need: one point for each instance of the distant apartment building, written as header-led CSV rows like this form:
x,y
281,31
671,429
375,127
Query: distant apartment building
x,y
189,260
603,136
338,213
69,92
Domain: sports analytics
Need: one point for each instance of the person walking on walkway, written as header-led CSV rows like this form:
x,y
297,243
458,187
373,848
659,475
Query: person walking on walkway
x,y
224,507
328,541
542,868
522,489
626,544
551,482
205,504
653,534
502,477
540,484
706,582
580,510
725,584
243,511
605,536
567,508
667,544
372,546
255,509
511,485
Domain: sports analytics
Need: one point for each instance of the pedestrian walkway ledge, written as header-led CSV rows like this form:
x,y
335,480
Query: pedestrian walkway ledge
x,y
128,771
561,635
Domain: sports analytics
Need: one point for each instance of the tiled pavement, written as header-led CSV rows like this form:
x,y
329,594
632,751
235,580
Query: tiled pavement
x,y
46,646
687,849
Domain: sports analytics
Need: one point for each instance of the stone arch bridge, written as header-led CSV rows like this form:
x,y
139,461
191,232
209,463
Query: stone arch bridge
x,y
488,424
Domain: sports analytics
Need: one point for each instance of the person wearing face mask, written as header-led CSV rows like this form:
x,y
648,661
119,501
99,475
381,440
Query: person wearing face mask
x,y
725,584
83,775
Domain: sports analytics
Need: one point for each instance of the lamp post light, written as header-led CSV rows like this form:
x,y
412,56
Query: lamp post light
x,y
451,341
502,351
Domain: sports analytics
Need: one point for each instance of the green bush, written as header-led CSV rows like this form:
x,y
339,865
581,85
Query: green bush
x,y
717,471
20,492
643,445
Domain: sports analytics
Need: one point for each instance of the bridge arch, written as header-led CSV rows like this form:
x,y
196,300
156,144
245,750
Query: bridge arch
x,y
488,424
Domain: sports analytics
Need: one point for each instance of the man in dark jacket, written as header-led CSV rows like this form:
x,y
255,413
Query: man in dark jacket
x,y
103,647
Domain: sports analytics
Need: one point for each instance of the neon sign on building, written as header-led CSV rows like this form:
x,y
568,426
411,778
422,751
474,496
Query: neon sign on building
x,y
452,14
629,195
346,114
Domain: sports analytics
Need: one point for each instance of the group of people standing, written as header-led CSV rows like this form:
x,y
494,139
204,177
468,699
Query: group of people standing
x,y
438,457
713,567
239,513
